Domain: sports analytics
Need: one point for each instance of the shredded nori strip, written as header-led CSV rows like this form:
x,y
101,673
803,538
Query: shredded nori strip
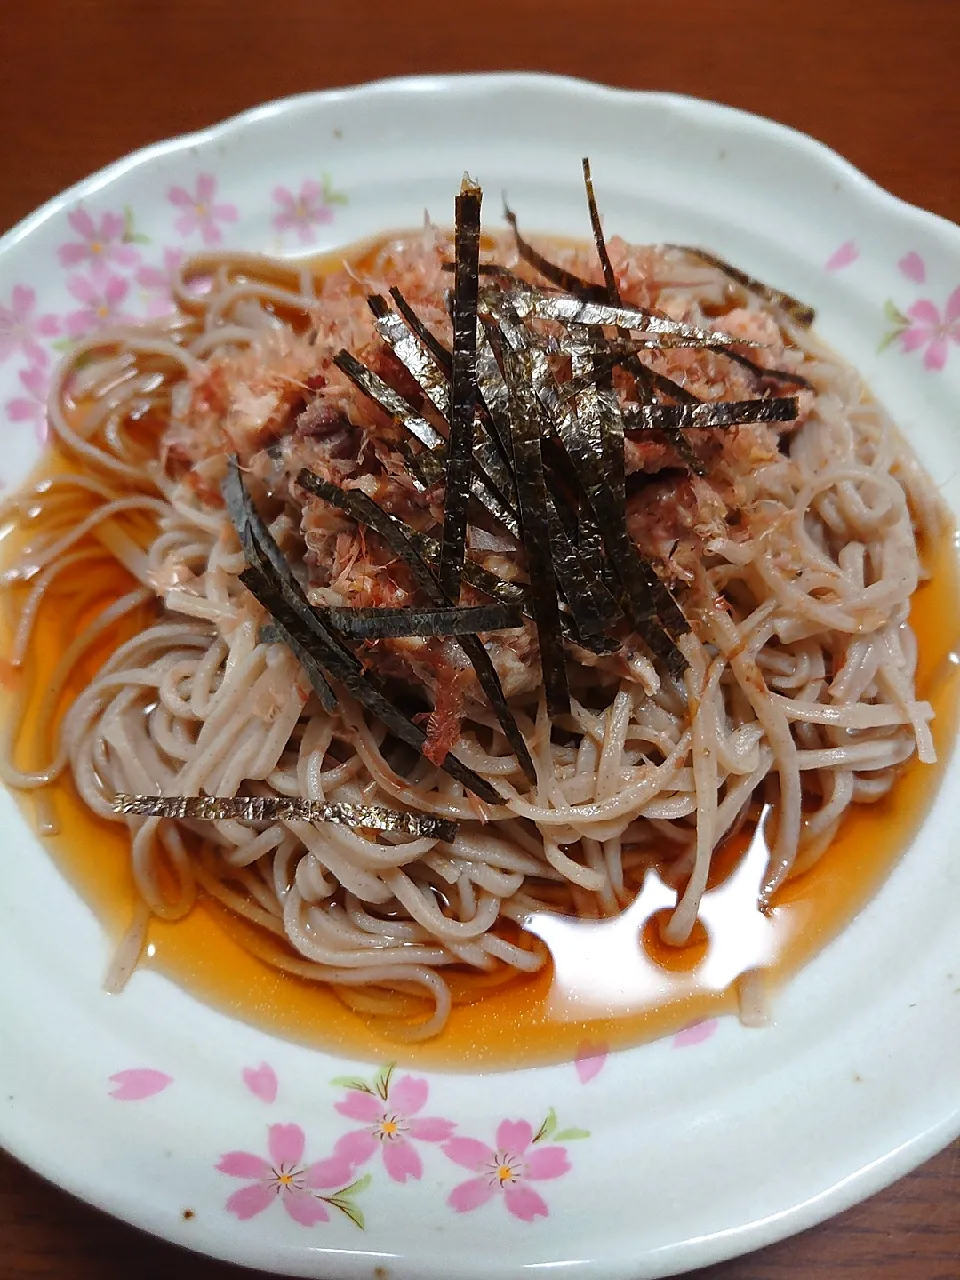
x,y
557,275
654,330
464,620
495,489
606,266
463,390
798,311
715,413
255,536
392,402
432,343
419,362
532,492
404,415
318,650
773,375
365,511
603,480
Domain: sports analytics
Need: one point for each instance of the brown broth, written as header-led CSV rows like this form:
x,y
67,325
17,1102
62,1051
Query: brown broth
x,y
610,982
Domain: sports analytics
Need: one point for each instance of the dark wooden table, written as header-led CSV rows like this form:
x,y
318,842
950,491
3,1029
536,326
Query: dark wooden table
x,y
84,81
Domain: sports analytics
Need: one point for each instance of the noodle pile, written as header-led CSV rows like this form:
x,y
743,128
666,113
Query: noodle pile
x,y
794,558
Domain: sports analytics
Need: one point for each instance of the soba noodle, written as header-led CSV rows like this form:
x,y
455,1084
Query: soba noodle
x,y
795,559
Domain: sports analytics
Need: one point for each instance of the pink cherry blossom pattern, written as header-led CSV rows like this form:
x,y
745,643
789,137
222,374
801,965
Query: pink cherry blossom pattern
x,y
261,1081
20,326
101,245
101,300
310,208
138,1083
590,1060
931,332
285,1176
32,406
200,211
389,1113
158,283
696,1033
848,253
913,267
506,1169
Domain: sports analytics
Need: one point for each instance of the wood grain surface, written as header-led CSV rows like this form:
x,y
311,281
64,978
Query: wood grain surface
x,y
84,81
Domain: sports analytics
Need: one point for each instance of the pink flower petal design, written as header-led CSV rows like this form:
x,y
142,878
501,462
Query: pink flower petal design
x,y
82,223
261,1081
409,1095
206,186
951,312
913,267
935,356
913,339
402,1160
332,1172
524,1203
514,1135
83,289
356,1147
138,1083
543,1163
470,1195
925,312
590,1060
696,1033
431,1129
180,196
469,1153
249,1201
848,252
303,1207
285,1143
244,1164
358,1105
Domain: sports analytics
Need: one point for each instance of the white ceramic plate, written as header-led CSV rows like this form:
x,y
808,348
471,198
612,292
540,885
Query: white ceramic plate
x,y
676,1154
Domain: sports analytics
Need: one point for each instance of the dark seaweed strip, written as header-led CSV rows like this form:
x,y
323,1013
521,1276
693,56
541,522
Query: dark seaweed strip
x,y
510,593
463,390
366,691
532,492
429,375
606,266
494,475
393,404
717,413
390,401
494,395
319,651
474,574
592,605
604,482
256,537
363,509
651,381
798,311
655,330
383,623
774,375
669,614
590,602
557,275
601,481
429,339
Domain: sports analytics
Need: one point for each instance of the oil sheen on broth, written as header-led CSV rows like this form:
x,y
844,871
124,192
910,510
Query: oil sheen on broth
x,y
610,982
